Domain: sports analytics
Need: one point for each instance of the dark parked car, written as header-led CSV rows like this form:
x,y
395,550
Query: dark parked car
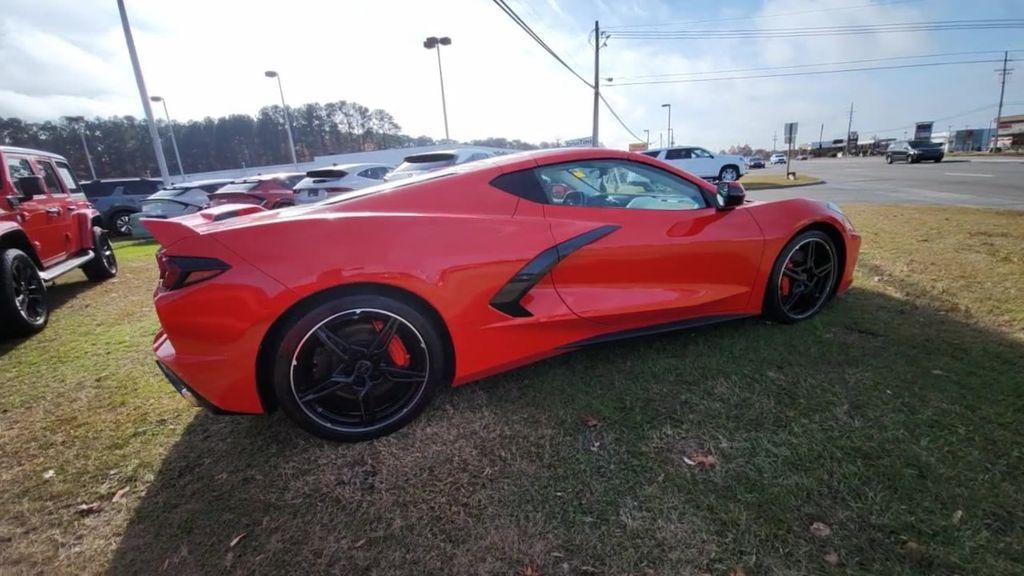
x,y
755,162
913,151
118,198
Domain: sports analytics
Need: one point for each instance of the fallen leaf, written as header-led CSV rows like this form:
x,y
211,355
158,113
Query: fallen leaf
x,y
957,516
237,539
359,544
705,461
591,421
831,558
738,571
120,495
914,552
820,530
49,474
87,509
529,570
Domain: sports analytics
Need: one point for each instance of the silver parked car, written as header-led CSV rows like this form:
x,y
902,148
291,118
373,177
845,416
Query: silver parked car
x,y
323,183
173,201
430,161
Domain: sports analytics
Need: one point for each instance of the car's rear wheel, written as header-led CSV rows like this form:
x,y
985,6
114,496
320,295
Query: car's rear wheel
x,y
24,309
803,278
103,266
121,223
729,174
888,159
358,367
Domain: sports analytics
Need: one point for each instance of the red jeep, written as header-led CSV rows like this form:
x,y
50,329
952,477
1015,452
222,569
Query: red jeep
x,y
47,228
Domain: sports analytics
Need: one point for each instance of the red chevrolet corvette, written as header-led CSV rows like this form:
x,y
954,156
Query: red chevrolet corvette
x,y
347,314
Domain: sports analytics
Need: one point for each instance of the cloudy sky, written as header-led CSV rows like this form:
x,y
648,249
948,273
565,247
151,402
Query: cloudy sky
x,y
207,57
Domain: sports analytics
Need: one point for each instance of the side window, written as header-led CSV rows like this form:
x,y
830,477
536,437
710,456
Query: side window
x,y
701,153
66,176
618,184
370,173
653,154
477,156
677,154
50,176
18,167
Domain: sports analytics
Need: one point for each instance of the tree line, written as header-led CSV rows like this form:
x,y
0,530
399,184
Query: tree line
x,y
121,146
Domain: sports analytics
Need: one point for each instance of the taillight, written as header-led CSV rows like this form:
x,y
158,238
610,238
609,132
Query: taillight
x,y
180,271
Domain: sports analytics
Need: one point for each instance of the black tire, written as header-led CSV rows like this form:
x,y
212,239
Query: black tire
x,y
731,171
120,223
24,307
888,159
103,266
310,363
784,299
937,160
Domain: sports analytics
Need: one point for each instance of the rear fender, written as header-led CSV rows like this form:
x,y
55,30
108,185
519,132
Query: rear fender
x,y
13,236
83,221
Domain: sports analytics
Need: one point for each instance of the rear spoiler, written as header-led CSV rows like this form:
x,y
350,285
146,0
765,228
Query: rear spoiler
x,y
167,232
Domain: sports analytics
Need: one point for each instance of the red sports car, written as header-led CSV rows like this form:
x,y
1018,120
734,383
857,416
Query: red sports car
x,y
347,314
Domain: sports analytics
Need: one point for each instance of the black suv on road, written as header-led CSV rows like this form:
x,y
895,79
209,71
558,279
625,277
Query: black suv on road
x,y
118,198
914,151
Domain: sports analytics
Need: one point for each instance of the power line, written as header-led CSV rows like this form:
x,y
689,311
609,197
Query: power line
x,y
529,31
794,66
945,118
761,16
809,73
616,116
943,25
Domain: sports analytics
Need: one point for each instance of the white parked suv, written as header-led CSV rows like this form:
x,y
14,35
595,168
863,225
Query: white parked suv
x,y
700,162
322,183
778,158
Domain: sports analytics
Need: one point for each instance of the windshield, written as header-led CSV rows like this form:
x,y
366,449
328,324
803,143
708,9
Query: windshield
x,y
169,193
925,144
161,206
239,186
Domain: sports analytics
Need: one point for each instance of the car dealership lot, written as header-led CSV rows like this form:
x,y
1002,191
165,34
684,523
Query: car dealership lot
x,y
904,444
987,183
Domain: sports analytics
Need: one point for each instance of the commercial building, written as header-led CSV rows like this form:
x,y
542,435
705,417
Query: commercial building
x,y
1011,132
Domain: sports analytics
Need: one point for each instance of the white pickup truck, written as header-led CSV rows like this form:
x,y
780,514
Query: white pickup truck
x,y
698,161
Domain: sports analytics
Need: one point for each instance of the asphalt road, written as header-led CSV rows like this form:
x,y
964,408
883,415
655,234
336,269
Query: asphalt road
x,y
990,183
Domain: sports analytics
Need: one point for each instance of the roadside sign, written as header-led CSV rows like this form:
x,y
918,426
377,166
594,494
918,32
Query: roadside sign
x,y
585,141
790,133
637,146
923,130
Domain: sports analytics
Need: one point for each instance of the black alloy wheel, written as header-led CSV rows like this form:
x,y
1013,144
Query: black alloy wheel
x,y
804,277
23,308
103,266
358,368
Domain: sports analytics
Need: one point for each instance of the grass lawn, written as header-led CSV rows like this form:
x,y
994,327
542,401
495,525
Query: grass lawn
x,y
765,181
894,419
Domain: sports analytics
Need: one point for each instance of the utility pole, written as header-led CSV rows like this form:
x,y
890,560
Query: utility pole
x,y
597,79
821,134
849,129
158,147
775,137
661,139
1002,90
647,137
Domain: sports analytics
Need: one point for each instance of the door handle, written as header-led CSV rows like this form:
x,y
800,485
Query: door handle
x,y
53,211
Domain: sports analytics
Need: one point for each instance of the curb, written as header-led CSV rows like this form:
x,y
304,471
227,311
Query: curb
x,y
760,186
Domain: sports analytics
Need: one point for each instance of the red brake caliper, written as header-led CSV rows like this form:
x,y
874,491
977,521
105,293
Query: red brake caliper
x,y
785,284
399,355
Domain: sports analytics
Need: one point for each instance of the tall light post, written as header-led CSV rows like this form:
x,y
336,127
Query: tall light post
x,y
80,122
170,128
669,106
647,137
435,43
287,119
140,82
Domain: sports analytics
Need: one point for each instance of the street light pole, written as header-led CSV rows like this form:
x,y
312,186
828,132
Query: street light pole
x,y
669,106
287,119
435,43
80,121
158,148
170,128
647,137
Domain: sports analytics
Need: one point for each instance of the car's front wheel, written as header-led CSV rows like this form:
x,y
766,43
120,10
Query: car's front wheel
x,y
803,278
888,159
729,173
24,309
358,367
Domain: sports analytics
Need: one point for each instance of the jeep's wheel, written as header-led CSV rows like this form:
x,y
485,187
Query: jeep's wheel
x,y
121,224
103,266
23,306
358,367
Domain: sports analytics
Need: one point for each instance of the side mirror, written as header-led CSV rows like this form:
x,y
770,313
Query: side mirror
x,y
30,187
729,195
